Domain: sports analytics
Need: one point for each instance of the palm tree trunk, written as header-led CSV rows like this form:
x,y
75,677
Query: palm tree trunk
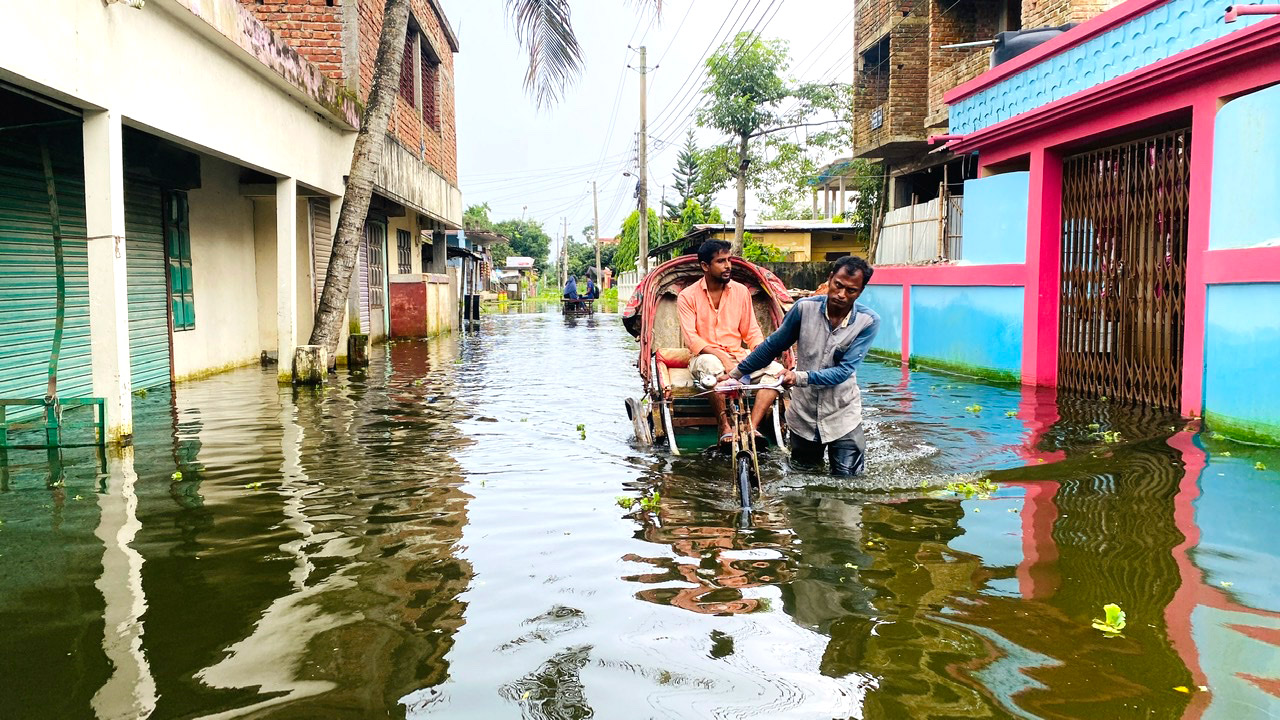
x,y
740,214
355,201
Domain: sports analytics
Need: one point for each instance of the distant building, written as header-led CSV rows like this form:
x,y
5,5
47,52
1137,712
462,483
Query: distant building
x,y
799,240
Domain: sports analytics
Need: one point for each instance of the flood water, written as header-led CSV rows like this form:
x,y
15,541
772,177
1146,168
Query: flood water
x,y
436,538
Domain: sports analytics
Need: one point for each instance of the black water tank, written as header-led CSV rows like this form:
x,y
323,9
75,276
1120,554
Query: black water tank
x,y
1015,42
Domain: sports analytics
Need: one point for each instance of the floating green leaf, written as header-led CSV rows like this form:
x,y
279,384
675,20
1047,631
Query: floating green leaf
x,y
253,486
1225,453
582,431
626,503
176,476
1114,621
980,489
1011,413
1259,466
650,503
974,408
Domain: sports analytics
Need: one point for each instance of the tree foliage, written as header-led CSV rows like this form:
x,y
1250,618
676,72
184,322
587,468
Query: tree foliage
x,y
544,30
628,248
688,184
528,239
476,217
746,93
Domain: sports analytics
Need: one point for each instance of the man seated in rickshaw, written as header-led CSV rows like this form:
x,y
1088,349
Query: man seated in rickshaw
x,y
719,327
832,334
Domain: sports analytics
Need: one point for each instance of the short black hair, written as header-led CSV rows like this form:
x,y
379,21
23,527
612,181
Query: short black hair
x,y
852,264
711,248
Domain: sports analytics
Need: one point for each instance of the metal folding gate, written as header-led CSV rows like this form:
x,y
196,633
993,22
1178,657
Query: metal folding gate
x,y
1124,257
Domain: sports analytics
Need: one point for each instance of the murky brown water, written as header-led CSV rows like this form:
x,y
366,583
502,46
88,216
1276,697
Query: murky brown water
x,y
434,538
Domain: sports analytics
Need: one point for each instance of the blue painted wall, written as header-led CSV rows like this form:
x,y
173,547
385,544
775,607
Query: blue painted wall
x,y
976,327
886,300
995,219
1242,356
1246,179
1165,31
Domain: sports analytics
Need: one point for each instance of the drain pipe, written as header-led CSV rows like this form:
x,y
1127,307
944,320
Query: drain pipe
x,y
1235,11
944,139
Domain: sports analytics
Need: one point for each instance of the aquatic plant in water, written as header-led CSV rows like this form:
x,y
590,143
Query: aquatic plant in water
x,y
176,476
582,431
1114,621
981,489
647,503
974,408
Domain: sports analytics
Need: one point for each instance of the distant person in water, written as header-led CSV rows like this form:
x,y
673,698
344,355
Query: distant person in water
x,y
592,291
571,288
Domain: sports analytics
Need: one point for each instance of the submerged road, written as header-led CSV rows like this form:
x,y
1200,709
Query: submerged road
x,y
435,537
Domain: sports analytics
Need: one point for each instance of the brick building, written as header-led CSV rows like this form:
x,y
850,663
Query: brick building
x,y
417,200
902,70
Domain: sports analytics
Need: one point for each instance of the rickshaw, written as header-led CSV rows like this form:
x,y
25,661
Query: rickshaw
x,y
577,307
674,410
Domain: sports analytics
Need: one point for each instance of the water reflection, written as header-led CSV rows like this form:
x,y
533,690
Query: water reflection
x,y
433,537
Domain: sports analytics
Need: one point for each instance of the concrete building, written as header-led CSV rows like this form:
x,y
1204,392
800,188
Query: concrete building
x,y
197,159
902,70
1120,240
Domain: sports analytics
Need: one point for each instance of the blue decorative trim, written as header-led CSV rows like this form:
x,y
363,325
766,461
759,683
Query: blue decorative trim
x,y
1145,40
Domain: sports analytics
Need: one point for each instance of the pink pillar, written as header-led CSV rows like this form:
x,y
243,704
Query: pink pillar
x,y
906,323
1202,117
1044,252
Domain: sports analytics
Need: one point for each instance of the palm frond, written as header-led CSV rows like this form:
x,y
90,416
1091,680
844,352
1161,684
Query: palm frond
x,y
544,29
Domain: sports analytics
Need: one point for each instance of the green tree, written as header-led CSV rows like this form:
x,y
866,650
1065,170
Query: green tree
x,y
476,217
528,239
628,248
757,252
500,252
745,93
688,183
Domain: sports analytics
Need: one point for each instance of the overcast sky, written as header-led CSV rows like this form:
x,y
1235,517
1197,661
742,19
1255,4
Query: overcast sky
x,y
512,155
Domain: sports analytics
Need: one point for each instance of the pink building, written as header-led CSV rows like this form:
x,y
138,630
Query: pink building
x,y
1121,237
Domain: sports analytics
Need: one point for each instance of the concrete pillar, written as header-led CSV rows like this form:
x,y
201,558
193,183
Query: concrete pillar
x,y
439,253
826,200
815,203
108,276
842,195
286,276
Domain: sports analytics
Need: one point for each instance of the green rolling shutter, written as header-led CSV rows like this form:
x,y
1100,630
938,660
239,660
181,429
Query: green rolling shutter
x,y
148,295
28,287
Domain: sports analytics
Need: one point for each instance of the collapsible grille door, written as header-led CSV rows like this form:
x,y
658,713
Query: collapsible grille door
x,y
1124,257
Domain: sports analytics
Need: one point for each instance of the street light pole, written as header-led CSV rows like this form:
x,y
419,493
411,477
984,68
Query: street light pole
x,y
644,174
595,205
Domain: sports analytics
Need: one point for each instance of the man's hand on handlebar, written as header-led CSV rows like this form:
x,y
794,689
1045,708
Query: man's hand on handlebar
x,y
787,378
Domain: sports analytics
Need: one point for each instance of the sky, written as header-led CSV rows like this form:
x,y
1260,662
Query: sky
x,y
540,163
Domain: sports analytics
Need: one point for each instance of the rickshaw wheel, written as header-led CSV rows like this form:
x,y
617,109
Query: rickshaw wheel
x,y
745,476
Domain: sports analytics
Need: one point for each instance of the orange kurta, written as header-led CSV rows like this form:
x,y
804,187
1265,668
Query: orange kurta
x,y
726,329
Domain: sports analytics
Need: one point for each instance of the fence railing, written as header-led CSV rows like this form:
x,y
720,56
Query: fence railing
x,y
921,233
627,283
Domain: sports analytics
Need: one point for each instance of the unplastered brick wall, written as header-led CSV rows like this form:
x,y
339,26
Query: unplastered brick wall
x,y
908,78
438,147
877,17
312,27
958,22
1051,13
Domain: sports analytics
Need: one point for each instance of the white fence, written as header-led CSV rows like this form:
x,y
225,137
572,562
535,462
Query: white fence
x,y
627,283
913,234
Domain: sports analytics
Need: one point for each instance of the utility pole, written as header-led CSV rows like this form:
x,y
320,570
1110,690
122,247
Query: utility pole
x,y
644,174
595,205
564,250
